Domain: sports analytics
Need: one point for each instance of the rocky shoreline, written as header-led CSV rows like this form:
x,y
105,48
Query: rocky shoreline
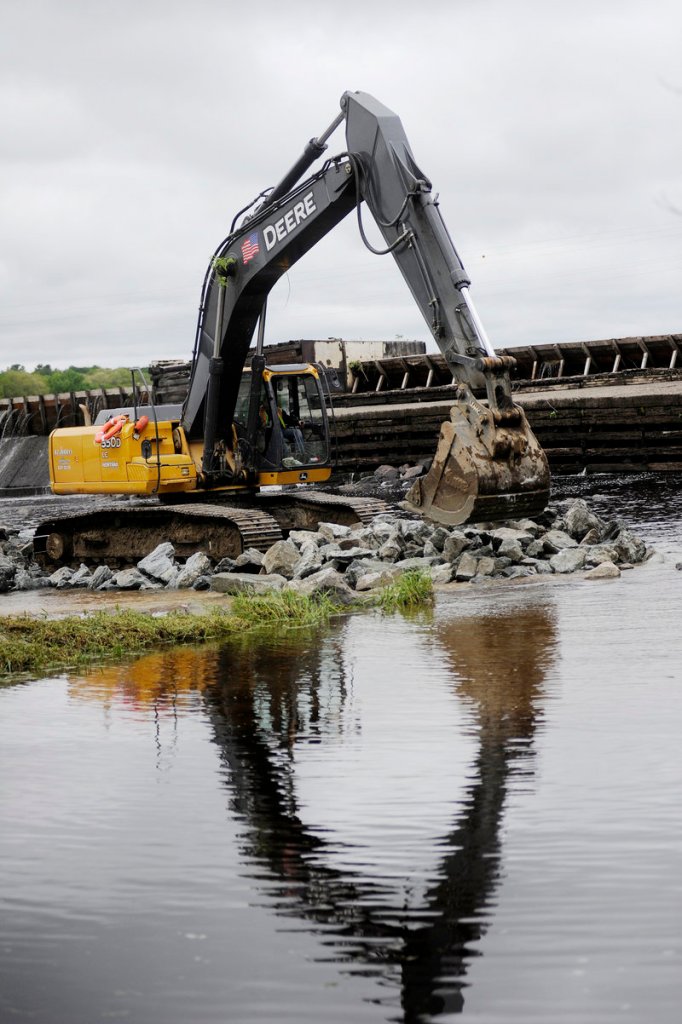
x,y
348,562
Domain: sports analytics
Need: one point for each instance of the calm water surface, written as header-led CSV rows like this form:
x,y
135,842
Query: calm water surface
x,y
474,813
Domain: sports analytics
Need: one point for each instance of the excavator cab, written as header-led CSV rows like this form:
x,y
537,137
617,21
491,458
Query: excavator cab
x,y
291,442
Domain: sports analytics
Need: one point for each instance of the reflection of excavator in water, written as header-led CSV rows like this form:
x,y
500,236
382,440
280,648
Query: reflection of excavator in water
x,y
239,432
267,703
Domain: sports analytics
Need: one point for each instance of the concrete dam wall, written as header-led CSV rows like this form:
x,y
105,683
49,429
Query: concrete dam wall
x,y
23,465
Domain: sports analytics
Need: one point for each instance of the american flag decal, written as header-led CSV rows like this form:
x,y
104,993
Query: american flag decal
x,y
250,247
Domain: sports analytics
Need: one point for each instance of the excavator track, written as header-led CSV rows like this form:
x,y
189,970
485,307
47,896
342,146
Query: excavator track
x,y
305,511
120,535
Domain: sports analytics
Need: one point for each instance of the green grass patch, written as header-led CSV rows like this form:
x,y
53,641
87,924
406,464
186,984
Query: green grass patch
x,y
33,645
284,607
411,590
30,645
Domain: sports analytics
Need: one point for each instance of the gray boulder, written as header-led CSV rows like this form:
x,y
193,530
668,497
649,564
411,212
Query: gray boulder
x,y
536,548
202,583
226,565
391,550
326,581
466,567
8,570
557,540
102,574
332,531
250,560
373,580
302,537
455,544
592,536
245,583
509,534
332,552
361,566
603,571
81,578
442,573
382,529
578,520
349,542
568,560
525,526
515,572
416,562
310,561
128,579
198,564
438,537
160,563
510,548
485,566
600,553
629,547
25,580
383,473
365,537
60,577
415,531
281,559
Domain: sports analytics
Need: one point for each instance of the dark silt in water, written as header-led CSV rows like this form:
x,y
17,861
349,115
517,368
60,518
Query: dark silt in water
x,y
474,812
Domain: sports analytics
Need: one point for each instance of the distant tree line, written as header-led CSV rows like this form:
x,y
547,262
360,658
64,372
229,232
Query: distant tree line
x,y
16,381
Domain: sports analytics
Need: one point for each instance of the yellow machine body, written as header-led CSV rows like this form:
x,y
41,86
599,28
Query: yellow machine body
x,y
117,465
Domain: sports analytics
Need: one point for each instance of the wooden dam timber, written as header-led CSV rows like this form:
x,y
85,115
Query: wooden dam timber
x,y
603,425
608,406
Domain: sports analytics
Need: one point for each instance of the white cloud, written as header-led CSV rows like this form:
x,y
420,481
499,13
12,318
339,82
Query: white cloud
x,y
130,134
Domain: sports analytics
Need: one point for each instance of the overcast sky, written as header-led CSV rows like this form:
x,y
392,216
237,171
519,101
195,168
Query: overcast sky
x,y
132,132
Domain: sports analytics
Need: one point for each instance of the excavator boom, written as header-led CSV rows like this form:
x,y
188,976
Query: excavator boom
x,y
487,463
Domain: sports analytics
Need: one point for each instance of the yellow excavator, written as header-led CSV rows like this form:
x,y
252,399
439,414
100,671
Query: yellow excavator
x,y
240,432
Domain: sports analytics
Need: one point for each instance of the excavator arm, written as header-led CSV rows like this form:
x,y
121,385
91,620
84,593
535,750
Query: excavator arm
x,y
488,464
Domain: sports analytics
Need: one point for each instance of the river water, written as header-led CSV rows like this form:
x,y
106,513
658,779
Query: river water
x,y
472,813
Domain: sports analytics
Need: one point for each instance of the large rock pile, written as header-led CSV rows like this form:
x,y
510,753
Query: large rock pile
x,y
347,561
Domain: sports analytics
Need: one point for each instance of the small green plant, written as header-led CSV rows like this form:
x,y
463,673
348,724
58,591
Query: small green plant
x,y
356,368
411,590
225,267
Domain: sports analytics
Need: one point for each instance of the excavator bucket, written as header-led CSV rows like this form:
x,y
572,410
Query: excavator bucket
x,y
488,466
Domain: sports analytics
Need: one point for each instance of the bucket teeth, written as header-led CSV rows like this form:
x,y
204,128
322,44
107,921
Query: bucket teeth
x,y
482,471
